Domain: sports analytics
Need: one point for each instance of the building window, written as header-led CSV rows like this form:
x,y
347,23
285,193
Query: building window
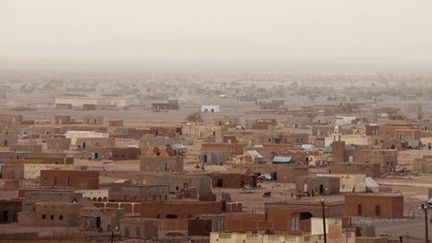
x,y
52,217
359,209
171,216
295,223
43,216
377,210
60,217
126,231
137,231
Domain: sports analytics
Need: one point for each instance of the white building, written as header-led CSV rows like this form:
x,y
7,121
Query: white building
x,y
344,120
210,108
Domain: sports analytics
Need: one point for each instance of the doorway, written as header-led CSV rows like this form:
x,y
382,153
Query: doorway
x,y
98,222
219,183
5,216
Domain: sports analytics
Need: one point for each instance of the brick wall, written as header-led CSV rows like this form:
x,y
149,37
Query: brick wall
x,y
374,205
70,179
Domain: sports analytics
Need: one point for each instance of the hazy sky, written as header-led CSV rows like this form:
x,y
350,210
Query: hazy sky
x,y
400,29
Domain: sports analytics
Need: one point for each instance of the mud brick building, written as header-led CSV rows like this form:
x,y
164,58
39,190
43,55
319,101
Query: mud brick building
x,y
62,119
100,219
112,153
199,226
203,224
179,182
10,119
280,172
137,133
233,179
93,120
89,107
86,142
269,151
372,129
227,121
51,214
170,105
166,131
9,210
374,205
403,132
386,158
317,185
242,222
209,133
63,106
158,148
29,148
296,215
128,192
8,139
371,170
178,209
162,163
49,158
219,153
139,228
77,179
261,124
115,123
50,195
58,144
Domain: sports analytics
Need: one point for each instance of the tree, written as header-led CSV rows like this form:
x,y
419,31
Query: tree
x,y
194,117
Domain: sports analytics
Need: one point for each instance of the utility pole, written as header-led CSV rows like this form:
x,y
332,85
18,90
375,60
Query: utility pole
x,y
112,232
346,233
425,207
322,202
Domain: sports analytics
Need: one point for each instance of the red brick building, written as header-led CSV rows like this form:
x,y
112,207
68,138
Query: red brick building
x,y
178,209
386,158
374,205
402,132
295,215
241,222
77,179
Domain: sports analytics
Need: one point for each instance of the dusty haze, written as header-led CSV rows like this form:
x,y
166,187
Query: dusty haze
x,y
196,29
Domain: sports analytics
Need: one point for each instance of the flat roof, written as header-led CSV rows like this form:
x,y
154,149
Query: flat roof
x,y
377,194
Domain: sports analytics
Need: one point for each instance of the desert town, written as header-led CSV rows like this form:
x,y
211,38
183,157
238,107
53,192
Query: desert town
x,y
161,157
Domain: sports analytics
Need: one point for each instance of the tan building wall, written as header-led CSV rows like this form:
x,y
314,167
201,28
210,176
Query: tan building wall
x,y
51,214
